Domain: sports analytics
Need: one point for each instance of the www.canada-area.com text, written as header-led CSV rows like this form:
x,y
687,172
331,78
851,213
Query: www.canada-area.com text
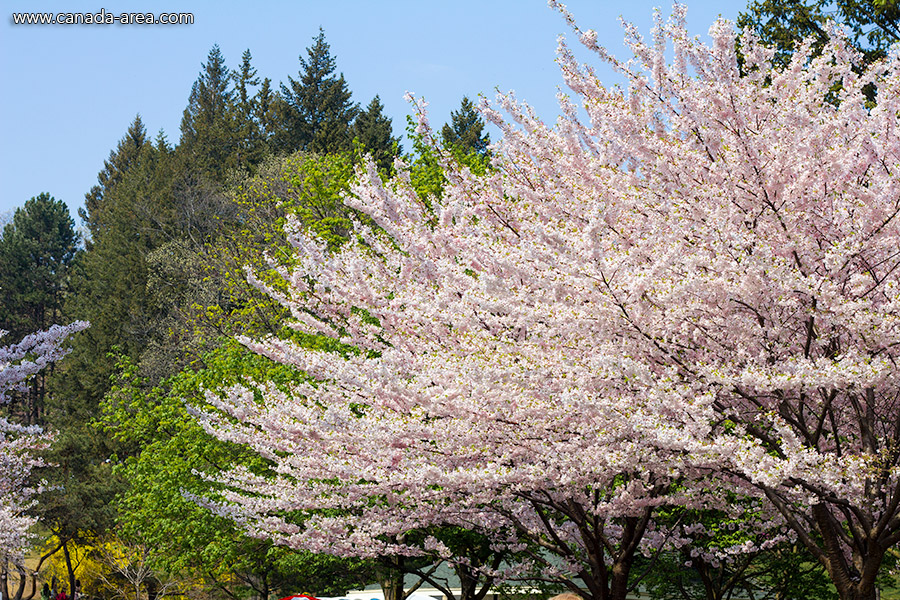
x,y
103,17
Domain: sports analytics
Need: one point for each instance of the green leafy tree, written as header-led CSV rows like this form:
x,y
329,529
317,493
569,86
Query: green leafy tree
x,y
316,110
428,161
873,24
708,568
171,452
374,131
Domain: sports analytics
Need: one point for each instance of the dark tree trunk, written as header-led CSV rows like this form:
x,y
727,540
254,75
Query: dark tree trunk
x,y
69,569
618,584
22,580
853,581
4,578
473,586
390,577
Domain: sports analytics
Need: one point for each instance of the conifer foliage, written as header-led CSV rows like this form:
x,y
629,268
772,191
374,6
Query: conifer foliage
x,y
208,127
372,128
465,131
316,109
37,252
120,161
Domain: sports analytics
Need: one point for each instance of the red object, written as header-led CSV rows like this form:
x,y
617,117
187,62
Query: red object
x,y
299,597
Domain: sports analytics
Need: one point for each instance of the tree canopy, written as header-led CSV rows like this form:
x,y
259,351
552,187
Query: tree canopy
x,y
316,109
465,131
660,309
873,24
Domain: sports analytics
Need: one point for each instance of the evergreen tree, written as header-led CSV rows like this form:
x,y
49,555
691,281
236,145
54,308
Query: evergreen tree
x,y
109,290
119,162
243,79
465,131
265,104
251,145
372,128
316,110
209,136
109,283
36,251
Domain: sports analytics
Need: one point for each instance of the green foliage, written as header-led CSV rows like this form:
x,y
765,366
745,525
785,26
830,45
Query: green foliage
x,y
315,111
266,111
308,186
133,217
426,170
786,570
77,504
204,281
36,251
120,161
209,129
372,129
465,134
873,25
172,451
314,193
251,146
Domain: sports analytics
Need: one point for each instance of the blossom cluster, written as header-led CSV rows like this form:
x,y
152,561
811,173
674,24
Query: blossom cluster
x,y
688,284
20,445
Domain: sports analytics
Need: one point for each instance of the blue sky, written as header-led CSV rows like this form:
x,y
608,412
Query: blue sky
x,y
69,92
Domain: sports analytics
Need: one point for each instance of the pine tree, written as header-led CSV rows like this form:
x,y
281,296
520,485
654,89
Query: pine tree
x,y
128,220
372,128
209,136
120,161
465,132
265,104
316,110
250,142
36,252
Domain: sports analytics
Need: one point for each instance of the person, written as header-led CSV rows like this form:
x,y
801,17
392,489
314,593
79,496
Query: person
x,y
567,596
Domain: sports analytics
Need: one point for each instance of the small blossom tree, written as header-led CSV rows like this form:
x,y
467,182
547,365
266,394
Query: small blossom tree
x,y
19,445
699,274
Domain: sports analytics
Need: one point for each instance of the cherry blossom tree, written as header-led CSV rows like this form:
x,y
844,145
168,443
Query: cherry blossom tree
x,y
19,444
689,283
